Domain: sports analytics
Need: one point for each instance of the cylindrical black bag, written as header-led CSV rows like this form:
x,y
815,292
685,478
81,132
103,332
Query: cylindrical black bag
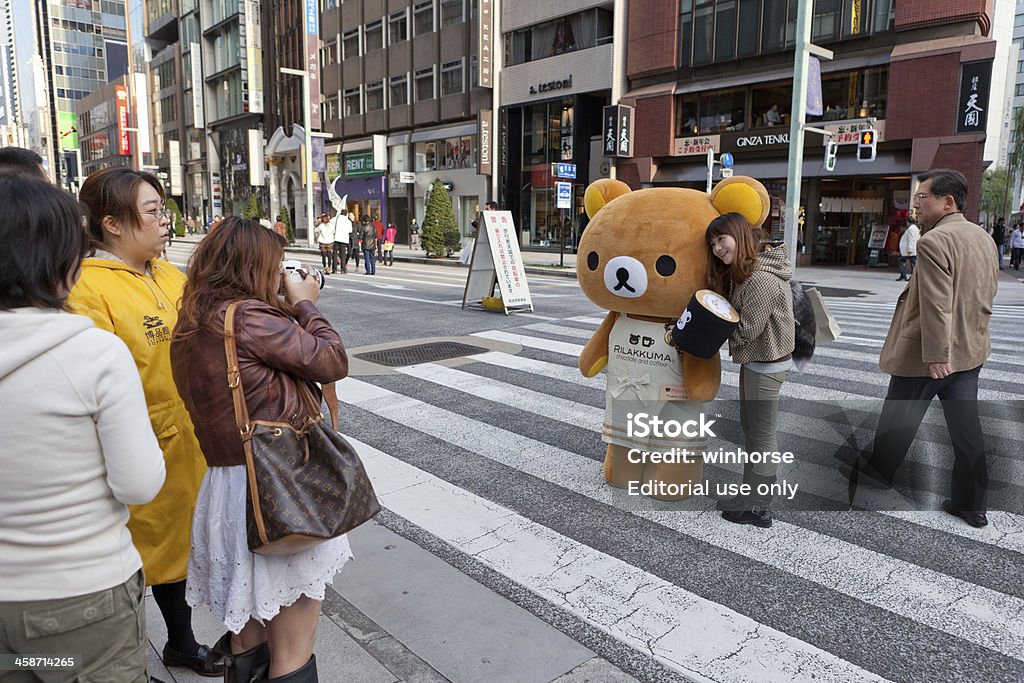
x,y
707,322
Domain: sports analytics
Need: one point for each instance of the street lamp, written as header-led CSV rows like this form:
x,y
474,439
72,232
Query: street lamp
x,y
308,157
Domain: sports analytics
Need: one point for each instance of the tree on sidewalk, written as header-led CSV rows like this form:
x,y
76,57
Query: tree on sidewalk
x,y
440,234
254,209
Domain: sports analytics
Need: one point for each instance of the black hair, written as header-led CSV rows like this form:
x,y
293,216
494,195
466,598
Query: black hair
x,y
42,242
946,181
21,160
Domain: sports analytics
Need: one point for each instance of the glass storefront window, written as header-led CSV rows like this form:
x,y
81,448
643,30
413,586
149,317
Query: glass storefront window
x,y
398,158
547,137
770,105
722,111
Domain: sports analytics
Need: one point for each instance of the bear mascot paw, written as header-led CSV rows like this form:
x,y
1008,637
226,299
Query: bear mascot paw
x,y
642,258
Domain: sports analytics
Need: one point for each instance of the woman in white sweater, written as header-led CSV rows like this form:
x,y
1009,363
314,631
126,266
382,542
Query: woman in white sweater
x,y
78,449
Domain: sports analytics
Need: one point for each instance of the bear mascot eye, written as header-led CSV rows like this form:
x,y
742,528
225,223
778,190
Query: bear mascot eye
x,y
665,266
593,260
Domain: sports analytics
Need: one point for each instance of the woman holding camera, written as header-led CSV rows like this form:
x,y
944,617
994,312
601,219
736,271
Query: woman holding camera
x,y
755,278
126,289
270,604
79,450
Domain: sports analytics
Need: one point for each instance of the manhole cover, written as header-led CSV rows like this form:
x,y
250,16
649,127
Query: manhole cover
x,y
419,353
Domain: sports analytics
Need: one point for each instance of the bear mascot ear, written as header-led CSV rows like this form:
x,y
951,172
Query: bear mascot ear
x,y
602,191
744,196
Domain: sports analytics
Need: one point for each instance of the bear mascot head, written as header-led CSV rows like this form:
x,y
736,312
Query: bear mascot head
x,y
642,257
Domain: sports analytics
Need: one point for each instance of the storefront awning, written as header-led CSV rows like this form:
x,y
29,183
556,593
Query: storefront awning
x,y
398,139
441,133
694,169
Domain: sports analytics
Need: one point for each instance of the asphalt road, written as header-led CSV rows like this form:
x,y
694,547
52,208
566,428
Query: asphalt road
x,y
494,466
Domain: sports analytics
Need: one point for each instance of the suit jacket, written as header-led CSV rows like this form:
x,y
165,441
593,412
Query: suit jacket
x,y
943,313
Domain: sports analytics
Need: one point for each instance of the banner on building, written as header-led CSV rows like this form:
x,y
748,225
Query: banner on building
x,y
141,113
256,175
618,131
67,129
174,159
484,121
254,56
319,155
124,141
815,103
699,144
972,105
313,61
485,39
195,58
216,202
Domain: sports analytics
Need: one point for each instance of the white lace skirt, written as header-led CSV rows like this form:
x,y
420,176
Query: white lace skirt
x,y
236,584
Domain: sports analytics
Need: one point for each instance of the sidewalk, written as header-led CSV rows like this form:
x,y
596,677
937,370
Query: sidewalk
x,y
399,613
855,282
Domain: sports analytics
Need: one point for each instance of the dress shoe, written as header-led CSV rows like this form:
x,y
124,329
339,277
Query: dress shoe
x,y
975,519
900,279
201,662
759,518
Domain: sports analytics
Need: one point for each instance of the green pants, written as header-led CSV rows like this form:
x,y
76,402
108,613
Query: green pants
x,y
106,629
759,415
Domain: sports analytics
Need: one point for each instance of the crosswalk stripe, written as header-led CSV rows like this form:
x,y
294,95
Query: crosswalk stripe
x,y
914,592
632,605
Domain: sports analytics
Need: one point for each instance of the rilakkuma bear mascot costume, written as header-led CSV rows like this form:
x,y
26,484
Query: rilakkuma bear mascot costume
x,y
643,257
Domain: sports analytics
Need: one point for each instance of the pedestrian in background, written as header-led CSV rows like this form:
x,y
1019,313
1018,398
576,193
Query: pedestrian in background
x,y
414,235
270,604
325,240
755,278
342,236
355,245
126,290
280,228
80,450
1016,246
389,244
937,343
999,237
368,235
908,249
379,227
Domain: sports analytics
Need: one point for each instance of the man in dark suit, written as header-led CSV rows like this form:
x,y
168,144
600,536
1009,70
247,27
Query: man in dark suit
x,y
937,343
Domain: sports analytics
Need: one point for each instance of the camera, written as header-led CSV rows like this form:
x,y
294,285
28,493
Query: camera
x,y
296,269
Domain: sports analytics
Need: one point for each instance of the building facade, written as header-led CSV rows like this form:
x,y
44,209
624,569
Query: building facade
x,y
104,117
404,87
83,45
717,76
556,78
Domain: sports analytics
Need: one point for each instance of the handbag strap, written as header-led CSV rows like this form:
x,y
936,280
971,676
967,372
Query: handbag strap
x,y
235,380
234,374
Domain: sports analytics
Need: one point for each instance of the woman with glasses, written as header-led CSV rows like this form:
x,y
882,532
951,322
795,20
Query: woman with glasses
x,y
126,289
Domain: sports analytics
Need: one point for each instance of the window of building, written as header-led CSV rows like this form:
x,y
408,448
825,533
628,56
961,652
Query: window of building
x,y
330,52
458,152
749,28
351,102
374,96
423,17
770,105
724,110
452,12
398,92
398,27
452,81
330,4
426,156
350,44
567,34
885,15
373,36
1020,66
424,84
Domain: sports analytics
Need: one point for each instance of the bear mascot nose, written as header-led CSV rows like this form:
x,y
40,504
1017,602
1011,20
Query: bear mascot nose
x,y
625,276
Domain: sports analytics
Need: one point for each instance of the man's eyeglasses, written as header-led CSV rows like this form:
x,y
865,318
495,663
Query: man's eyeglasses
x,y
162,212
921,196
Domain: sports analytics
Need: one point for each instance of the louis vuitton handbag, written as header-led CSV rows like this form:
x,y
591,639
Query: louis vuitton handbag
x,y
305,485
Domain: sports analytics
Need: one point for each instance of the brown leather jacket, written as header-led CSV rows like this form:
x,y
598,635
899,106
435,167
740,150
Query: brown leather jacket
x,y
272,349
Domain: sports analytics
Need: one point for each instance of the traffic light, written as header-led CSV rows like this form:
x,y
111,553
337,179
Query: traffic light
x,y
831,149
867,145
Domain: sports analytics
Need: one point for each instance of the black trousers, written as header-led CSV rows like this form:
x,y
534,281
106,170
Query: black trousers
x,y
339,257
905,404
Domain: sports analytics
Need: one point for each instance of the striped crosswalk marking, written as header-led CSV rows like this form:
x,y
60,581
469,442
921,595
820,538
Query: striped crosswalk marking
x,y
888,595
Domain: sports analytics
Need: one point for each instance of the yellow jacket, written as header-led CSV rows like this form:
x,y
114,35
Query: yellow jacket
x,y
142,310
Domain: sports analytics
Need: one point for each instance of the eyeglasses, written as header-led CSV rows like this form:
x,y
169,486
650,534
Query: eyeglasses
x,y
921,196
162,212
